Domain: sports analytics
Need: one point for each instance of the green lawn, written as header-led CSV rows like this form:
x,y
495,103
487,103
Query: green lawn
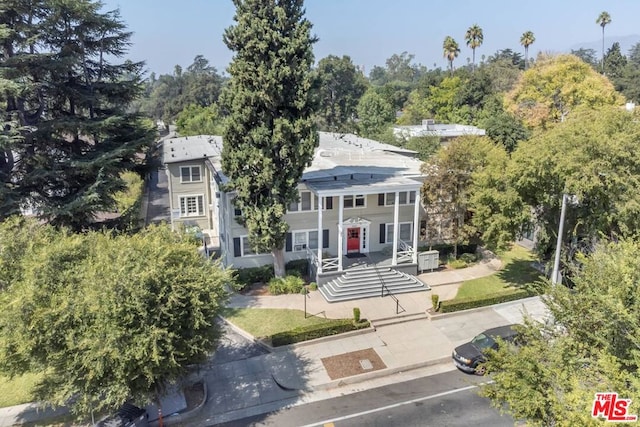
x,y
516,273
17,390
263,322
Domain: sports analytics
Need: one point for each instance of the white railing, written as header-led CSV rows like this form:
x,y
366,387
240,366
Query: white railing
x,y
313,257
328,264
405,252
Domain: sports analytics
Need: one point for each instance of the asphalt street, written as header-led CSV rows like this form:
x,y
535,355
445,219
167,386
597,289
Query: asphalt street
x,y
448,399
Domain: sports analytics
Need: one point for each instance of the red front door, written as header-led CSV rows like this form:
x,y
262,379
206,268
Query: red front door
x,y
353,240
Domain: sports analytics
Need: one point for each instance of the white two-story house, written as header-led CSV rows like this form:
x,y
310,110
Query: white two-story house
x,y
359,205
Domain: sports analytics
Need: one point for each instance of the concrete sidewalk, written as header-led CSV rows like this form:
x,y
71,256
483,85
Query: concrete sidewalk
x,y
415,346
296,374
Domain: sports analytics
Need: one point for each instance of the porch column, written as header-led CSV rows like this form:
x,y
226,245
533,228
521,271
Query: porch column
x,y
416,226
396,232
340,219
320,234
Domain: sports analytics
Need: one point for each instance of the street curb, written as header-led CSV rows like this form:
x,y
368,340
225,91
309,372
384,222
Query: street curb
x,y
247,335
185,416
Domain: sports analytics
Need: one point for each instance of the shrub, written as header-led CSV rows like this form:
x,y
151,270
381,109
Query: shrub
x,y
356,314
435,301
305,333
248,276
313,286
468,258
300,266
286,285
450,306
457,263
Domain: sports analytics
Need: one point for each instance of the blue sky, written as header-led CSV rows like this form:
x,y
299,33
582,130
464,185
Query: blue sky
x,y
170,32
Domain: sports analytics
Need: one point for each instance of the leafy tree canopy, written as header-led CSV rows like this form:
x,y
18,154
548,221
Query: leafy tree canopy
x,y
592,155
374,114
589,346
104,318
168,94
196,120
554,87
339,85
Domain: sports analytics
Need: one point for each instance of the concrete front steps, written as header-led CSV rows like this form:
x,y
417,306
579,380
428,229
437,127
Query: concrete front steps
x,y
367,282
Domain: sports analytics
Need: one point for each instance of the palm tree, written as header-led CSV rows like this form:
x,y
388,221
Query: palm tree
x,y
527,40
474,38
603,20
451,51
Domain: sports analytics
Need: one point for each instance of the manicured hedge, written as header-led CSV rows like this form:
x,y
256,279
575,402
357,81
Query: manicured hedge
x,y
306,333
299,265
251,275
467,303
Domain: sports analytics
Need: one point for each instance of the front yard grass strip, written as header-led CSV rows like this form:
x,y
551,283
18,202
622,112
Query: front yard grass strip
x,y
516,273
17,390
266,322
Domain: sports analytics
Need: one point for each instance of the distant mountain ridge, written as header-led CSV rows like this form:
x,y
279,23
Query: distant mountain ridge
x,y
626,43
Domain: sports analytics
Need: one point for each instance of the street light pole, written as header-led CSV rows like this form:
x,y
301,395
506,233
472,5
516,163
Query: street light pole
x,y
556,264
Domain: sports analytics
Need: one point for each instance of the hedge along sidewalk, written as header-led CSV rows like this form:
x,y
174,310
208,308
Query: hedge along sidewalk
x,y
439,316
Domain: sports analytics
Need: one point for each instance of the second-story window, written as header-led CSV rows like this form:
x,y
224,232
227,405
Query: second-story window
x,y
305,204
357,201
190,174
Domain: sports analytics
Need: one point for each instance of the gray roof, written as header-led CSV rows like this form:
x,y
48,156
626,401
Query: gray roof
x,y
187,148
338,157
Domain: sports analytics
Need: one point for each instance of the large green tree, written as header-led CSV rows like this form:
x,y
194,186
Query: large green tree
x,y
554,87
375,114
105,318
269,137
65,136
339,86
448,187
588,346
197,120
592,155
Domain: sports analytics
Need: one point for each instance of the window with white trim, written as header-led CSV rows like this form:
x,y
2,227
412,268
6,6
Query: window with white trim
x,y
307,202
405,198
301,240
246,248
357,201
192,205
406,234
190,174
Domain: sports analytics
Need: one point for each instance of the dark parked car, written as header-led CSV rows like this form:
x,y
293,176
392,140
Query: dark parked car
x,y
468,356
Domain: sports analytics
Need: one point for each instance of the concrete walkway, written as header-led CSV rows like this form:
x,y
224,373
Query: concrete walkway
x,y
415,346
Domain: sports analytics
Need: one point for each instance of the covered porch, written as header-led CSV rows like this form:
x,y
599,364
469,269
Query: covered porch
x,y
398,241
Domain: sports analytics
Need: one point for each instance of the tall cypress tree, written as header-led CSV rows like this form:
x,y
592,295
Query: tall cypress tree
x,y
65,136
269,137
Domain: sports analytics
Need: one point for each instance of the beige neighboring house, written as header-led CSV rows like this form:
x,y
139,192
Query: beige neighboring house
x,y
192,169
354,196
